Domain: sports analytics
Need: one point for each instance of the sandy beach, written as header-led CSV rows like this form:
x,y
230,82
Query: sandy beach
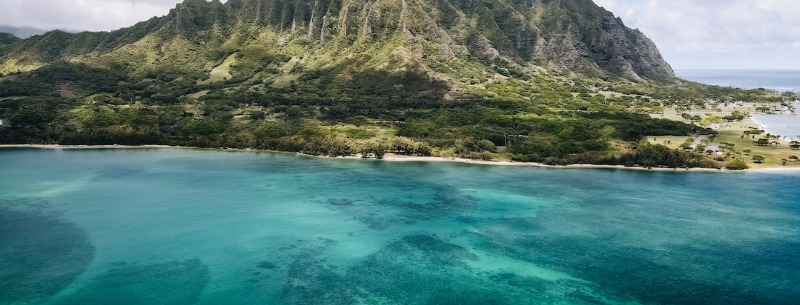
x,y
403,158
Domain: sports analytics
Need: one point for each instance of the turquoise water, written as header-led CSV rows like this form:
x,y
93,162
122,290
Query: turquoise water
x,y
201,227
782,80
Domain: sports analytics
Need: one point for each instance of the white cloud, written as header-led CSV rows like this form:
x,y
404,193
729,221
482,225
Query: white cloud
x,y
92,15
717,33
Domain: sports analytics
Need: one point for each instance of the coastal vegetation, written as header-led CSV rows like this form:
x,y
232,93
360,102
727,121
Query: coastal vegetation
x,y
562,123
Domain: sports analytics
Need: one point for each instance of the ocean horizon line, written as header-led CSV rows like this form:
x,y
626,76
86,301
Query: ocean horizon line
x,y
738,69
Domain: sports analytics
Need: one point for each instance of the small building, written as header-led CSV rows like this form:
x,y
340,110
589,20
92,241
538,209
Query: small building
x,y
3,122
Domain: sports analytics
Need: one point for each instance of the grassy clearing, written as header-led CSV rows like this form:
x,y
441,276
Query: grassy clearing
x,y
198,95
222,72
362,132
673,142
773,154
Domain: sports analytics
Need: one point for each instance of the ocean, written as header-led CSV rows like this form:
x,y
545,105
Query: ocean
x,y
214,227
781,80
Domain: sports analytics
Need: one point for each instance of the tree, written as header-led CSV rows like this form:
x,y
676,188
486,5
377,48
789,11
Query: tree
x,y
258,116
747,152
202,126
762,142
486,145
758,159
795,145
700,148
376,149
737,165
735,116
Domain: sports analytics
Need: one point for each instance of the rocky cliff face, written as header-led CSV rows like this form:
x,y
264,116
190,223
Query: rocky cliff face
x,y
569,35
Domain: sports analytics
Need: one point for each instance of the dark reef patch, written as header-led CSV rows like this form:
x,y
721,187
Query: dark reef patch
x,y
174,283
707,273
40,254
340,202
423,269
267,265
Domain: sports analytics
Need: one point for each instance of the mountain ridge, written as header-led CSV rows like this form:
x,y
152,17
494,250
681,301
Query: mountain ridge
x,y
565,35
7,39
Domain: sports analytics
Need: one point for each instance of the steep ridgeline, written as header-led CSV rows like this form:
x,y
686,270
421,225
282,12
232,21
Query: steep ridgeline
x,y
6,39
449,38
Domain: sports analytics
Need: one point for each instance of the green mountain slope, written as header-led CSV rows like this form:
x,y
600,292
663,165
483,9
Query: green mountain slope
x,y
7,39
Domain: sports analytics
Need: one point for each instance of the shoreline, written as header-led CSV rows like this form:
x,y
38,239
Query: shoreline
x,y
766,128
403,158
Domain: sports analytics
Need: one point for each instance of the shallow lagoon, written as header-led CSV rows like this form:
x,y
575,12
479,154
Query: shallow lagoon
x,y
201,227
786,125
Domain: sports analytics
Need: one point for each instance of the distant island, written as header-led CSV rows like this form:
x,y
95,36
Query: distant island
x,y
551,82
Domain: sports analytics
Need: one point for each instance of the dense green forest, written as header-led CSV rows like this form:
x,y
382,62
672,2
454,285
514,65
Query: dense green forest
x,y
556,120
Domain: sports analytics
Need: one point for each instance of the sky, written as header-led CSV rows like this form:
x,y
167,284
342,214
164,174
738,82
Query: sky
x,y
718,34
691,34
